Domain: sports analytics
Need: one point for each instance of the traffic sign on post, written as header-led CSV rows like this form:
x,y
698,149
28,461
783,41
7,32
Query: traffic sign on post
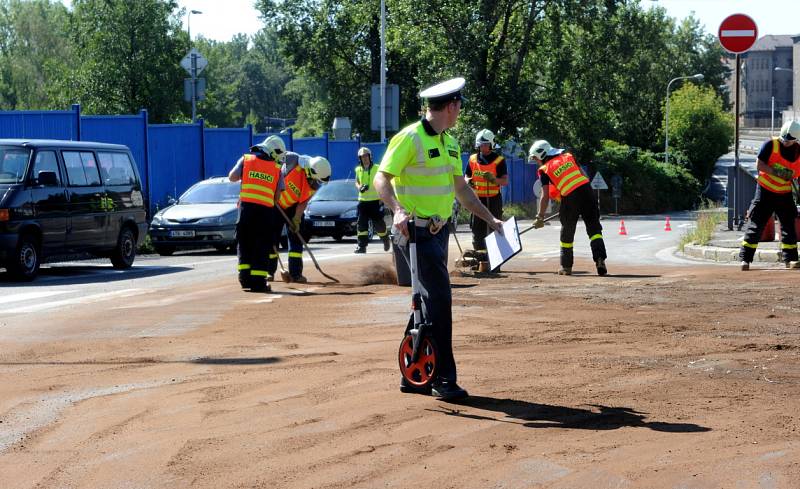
x,y
737,33
598,183
200,61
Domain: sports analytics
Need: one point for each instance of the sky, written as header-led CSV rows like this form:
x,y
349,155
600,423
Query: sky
x,y
222,19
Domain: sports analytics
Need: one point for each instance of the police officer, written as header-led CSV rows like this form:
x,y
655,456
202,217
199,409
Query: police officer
x,y
486,173
369,204
421,174
778,164
300,182
560,175
260,174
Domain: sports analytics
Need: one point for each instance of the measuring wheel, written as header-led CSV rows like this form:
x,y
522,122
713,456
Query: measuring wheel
x,y
419,373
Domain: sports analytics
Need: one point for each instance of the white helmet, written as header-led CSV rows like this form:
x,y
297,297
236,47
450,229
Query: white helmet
x,y
319,169
273,147
484,136
539,149
364,151
790,131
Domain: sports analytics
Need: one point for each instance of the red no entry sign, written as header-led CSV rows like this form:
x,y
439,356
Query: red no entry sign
x,y
738,33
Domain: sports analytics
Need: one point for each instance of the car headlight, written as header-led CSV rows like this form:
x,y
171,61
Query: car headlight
x,y
212,221
351,214
158,220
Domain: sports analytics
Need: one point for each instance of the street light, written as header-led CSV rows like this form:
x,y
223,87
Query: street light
x,y
189,24
698,77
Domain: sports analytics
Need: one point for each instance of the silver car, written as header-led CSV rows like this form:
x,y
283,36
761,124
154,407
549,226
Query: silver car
x,y
204,216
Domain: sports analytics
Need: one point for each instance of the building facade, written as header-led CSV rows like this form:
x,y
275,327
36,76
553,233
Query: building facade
x,y
763,85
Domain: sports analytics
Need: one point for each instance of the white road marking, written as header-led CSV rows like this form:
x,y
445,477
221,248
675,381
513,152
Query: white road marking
x,y
32,295
76,300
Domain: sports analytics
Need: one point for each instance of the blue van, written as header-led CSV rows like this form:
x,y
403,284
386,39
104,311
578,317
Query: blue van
x,y
66,198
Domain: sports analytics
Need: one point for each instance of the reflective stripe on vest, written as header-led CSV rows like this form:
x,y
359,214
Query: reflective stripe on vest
x,y
365,177
484,188
294,181
565,173
771,182
259,181
426,188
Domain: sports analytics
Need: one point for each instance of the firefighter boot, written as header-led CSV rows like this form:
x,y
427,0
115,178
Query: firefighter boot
x,y
360,249
565,271
601,267
793,264
745,266
300,279
244,278
385,240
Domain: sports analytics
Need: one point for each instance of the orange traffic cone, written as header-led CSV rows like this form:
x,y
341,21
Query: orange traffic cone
x,y
622,230
667,227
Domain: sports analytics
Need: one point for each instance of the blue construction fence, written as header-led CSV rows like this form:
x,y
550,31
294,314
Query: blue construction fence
x,y
172,157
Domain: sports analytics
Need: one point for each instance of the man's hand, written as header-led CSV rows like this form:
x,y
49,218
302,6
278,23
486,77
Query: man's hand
x,y
363,188
496,225
783,173
400,221
538,222
489,177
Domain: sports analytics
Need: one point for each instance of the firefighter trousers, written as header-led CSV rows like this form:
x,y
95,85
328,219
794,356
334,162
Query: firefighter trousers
x,y
437,300
765,203
295,245
479,227
580,203
370,210
254,240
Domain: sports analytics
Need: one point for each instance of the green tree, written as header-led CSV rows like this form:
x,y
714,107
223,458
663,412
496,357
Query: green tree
x,y
129,54
34,48
699,127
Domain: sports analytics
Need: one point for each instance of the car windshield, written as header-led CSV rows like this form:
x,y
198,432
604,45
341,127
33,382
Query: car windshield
x,y
211,193
337,190
13,163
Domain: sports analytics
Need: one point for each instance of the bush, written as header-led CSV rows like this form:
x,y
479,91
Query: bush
x,y
699,127
648,185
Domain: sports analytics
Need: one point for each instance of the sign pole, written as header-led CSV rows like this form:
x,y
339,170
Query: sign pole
x,y
736,206
194,87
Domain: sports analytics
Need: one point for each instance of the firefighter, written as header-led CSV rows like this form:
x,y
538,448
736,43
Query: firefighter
x,y
301,182
260,174
486,173
778,164
421,174
560,175
370,207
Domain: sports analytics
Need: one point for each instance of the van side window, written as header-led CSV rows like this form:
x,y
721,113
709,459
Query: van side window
x,y
45,161
81,168
116,168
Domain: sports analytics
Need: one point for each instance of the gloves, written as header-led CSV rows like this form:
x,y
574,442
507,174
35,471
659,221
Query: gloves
x,y
489,177
296,223
783,173
538,223
363,188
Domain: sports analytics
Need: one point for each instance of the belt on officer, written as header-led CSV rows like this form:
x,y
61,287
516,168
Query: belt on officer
x,y
433,224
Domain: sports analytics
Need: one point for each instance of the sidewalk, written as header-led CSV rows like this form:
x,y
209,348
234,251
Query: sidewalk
x,y
724,247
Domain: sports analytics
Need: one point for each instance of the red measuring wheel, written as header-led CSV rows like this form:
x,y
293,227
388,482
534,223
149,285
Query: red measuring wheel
x,y
420,373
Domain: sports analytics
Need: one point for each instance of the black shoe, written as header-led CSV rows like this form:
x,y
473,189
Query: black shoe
x,y
601,267
448,391
385,243
259,286
360,250
407,388
244,280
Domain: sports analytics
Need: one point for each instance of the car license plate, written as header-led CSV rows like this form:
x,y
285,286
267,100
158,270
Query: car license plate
x,y
325,224
181,234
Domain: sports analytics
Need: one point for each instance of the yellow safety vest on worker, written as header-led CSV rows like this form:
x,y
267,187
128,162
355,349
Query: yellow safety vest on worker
x,y
423,167
771,182
365,177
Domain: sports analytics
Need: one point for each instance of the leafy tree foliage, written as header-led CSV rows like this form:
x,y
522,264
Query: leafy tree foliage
x,y
699,128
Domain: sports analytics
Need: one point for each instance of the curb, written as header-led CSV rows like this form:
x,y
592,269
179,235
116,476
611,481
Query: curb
x,y
715,253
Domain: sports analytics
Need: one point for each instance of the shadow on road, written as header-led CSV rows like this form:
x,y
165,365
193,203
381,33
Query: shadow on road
x,y
88,274
155,361
548,416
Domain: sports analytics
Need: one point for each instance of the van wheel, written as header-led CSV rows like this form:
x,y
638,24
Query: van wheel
x,y
26,261
125,252
165,250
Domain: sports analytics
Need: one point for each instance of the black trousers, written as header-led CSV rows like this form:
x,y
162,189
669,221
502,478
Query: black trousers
x,y
254,238
437,299
295,245
479,227
370,210
765,203
580,203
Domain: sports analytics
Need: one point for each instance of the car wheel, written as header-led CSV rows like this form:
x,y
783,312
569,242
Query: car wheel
x,y
123,255
338,237
164,250
26,261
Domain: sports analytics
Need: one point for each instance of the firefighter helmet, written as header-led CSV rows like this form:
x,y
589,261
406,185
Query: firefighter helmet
x,y
484,136
790,131
539,149
273,147
319,169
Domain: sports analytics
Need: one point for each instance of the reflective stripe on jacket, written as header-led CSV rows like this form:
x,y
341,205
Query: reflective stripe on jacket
x,y
771,182
565,173
365,177
260,180
297,189
484,188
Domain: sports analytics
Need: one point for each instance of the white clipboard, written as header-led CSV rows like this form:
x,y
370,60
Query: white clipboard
x,y
502,247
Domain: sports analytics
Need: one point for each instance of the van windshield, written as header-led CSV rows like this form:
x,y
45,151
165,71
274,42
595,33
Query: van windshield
x,y
13,163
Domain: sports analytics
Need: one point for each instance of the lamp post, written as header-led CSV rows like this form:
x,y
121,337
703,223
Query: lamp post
x,y
772,127
189,24
698,77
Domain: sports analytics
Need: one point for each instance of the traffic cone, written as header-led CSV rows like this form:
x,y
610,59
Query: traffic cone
x,y
622,230
667,227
